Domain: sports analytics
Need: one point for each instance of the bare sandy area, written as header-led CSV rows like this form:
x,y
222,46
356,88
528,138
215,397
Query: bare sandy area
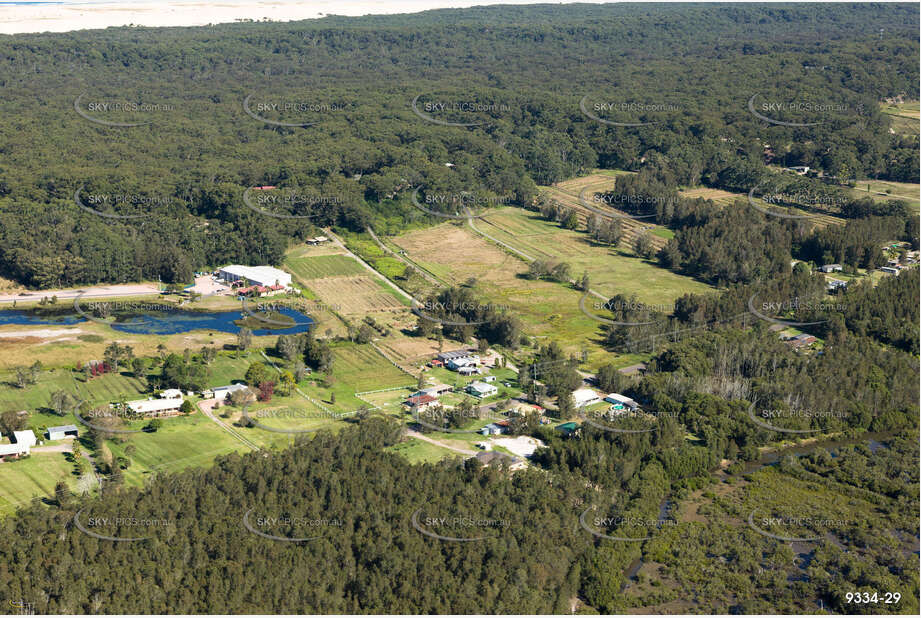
x,y
42,333
83,15
99,291
523,446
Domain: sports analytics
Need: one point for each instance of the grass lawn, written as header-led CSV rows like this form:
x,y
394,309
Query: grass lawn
x,y
356,368
418,451
181,442
105,388
319,266
36,475
610,270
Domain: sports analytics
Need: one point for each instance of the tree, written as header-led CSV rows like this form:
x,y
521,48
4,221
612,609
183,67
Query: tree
x,y
256,374
266,390
61,402
286,383
244,339
643,246
11,421
138,365
153,425
187,407
115,353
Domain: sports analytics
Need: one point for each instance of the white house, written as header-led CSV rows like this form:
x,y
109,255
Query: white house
x,y
154,407
584,397
462,361
25,437
171,393
616,398
481,389
265,276
221,392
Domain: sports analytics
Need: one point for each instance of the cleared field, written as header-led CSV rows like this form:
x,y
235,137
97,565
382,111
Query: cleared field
x,y
316,267
548,310
715,195
418,451
904,116
363,368
610,271
108,387
33,476
180,443
728,198
882,190
571,193
356,295
403,349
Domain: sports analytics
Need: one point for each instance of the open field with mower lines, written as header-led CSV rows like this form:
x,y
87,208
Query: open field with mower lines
x,y
611,270
568,193
728,198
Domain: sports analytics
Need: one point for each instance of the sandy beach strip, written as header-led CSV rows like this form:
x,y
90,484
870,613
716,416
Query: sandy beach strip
x,y
68,16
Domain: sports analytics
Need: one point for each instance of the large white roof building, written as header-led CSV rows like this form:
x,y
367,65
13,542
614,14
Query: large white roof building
x,y
265,276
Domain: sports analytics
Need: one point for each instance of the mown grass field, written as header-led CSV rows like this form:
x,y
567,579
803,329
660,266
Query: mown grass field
x,y
33,476
728,198
356,369
611,271
419,451
181,442
883,190
319,266
903,116
548,310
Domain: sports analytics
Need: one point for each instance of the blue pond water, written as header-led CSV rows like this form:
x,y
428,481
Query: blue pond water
x,y
164,322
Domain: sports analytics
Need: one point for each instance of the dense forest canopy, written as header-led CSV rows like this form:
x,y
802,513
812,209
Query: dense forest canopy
x,y
515,85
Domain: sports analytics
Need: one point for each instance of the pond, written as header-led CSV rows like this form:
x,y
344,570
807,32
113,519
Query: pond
x,y
875,441
171,322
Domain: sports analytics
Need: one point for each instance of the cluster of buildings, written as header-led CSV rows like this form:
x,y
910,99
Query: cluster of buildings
x,y
20,443
583,397
464,362
797,342
254,280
